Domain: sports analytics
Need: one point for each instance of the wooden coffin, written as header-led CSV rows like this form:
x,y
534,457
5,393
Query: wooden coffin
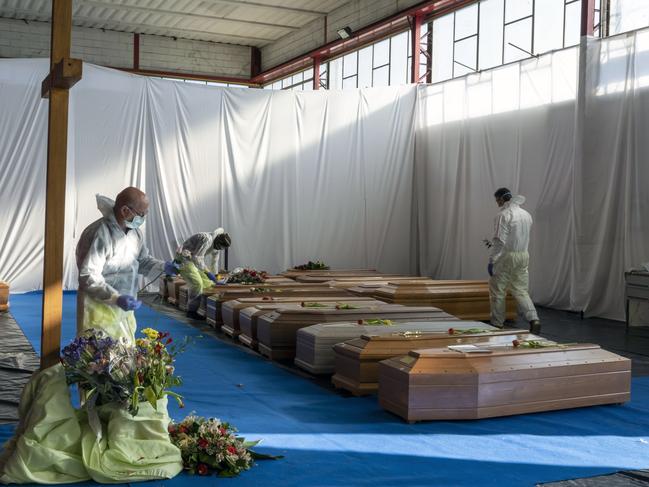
x,y
444,384
230,310
322,278
466,302
214,303
314,347
4,296
378,282
174,285
183,297
293,273
370,288
276,332
357,360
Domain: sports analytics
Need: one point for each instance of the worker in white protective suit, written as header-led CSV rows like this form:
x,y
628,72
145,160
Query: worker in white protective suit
x,y
110,256
200,265
509,260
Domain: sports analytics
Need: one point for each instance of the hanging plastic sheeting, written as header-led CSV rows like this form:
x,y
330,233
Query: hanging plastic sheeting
x,y
287,184
512,126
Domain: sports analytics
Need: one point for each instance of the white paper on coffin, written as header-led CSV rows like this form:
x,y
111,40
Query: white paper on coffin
x,y
314,347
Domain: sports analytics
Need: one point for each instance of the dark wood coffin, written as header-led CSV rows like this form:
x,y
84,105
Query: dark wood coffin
x,y
357,360
4,296
173,286
314,350
467,302
214,303
446,384
230,310
276,332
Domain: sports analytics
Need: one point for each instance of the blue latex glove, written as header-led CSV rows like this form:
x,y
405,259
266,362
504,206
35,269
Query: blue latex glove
x,y
171,268
128,303
211,276
490,269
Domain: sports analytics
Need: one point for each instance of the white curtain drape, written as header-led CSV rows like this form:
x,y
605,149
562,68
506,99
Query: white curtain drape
x,y
292,176
397,178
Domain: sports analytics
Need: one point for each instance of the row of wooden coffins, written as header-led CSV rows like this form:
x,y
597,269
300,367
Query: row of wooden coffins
x,y
419,343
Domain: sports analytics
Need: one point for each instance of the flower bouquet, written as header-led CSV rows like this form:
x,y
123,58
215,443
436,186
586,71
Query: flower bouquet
x,y
110,371
305,304
318,265
247,276
468,331
376,322
209,445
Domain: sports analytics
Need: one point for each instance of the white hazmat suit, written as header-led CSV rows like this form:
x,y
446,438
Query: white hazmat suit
x,y
109,261
510,261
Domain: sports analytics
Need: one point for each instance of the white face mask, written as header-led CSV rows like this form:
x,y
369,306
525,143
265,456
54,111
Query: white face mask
x,y
136,222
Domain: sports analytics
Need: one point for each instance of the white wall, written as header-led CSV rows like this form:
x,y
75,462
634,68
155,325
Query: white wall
x,y
115,49
355,14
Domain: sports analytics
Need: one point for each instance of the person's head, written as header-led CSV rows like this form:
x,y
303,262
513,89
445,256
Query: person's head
x,y
222,241
131,207
502,195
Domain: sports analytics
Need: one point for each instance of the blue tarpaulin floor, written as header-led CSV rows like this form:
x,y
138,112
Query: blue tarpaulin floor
x,y
330,440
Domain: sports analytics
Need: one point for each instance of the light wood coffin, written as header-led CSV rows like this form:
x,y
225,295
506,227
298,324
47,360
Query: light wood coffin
x,y
314,349
276,332
173,286
445,384
214,303
378,282
357,360
465,302
293,273
322,278
370,288
4,296
230,310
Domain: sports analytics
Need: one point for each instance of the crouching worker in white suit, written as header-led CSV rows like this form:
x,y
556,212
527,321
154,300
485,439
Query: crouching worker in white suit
x,y
110,255
509,260
204,250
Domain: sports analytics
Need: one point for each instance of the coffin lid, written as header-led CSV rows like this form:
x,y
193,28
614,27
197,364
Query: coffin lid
x,y
498,351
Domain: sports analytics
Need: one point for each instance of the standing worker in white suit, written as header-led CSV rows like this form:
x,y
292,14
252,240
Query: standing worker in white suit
x,y
110,256
509,260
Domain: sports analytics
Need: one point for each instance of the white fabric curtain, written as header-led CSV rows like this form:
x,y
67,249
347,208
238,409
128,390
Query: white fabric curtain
x,y
292,176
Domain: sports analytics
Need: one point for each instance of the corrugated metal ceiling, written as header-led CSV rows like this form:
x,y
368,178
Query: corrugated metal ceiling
x,y
246,22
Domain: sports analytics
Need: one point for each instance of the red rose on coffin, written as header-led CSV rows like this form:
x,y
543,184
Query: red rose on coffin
x,y
202,469
232,450
253,274
451,331
516,343
360,322
203,443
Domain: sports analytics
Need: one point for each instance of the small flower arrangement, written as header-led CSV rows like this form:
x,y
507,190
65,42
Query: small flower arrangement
x,y
376,322
247,276
533,344
346,306
102,367
318,265
468,331
305,304
111,371
210,446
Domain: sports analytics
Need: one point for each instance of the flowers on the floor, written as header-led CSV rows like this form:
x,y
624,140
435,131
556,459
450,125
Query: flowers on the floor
x,y
247,276
468,331
111,371
312,266
210,446
377,322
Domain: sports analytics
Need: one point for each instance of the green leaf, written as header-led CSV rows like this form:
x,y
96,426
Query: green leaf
x,y
151,397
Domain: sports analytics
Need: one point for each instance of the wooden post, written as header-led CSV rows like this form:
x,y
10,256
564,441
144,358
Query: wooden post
x,y
415,47
64,73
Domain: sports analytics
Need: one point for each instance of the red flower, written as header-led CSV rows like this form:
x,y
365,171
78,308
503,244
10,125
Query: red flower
x,y
266,298
360,322
182,429
202,469
516,343
169,340
232,450
451,331
203,443
253,274
171,429
158,348
223,431
338,306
